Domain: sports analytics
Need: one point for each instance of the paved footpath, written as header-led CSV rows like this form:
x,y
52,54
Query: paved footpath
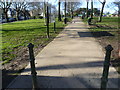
x,y
72,60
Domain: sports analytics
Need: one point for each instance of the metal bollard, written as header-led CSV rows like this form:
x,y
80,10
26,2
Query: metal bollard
x,y
89,20
65,21
32,63
104,78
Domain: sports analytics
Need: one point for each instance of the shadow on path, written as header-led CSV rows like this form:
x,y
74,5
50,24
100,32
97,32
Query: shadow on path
x,y
58,82
94,34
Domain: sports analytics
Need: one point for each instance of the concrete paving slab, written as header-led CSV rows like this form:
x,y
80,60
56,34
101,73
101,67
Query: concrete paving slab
x,y
71,60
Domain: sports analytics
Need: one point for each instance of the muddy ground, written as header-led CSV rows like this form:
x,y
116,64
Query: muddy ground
x,y
109,38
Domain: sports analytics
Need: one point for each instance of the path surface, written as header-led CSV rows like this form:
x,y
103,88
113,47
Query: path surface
x,y
72,60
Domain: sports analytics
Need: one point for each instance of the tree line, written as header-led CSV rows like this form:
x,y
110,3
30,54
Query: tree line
x,y
18,9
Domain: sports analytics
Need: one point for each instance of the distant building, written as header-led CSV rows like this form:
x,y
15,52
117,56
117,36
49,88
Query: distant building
x,y
36,12
0,12
112,15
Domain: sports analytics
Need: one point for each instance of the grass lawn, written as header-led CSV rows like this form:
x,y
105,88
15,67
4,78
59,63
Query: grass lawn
x,y
17,35
108,34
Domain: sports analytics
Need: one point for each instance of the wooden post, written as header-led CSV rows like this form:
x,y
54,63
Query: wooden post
x,y
104,78
32,63
47,21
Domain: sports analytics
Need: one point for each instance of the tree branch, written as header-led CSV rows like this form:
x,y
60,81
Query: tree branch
x,y
100,1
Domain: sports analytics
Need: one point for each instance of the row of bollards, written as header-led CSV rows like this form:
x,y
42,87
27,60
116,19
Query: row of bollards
x,y
32,59
104,78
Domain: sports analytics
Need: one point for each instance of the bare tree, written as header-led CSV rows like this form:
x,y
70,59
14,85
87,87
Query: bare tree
x,y
5,5
118,5
101,13
20,7
72,6
36,8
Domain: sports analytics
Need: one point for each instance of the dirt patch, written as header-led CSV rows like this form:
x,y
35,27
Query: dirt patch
x,y
116,64
18,64
111,39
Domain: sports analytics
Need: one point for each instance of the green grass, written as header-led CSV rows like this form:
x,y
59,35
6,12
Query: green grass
x,y
17,35
108,23
111,21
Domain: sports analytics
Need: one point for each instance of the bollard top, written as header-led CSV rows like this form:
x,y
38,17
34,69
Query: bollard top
x,y
109,48
30,45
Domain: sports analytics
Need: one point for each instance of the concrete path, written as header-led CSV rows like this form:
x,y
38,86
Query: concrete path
x,y
72,60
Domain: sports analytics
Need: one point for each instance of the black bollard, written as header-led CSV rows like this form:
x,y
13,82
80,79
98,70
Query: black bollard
x,y
65,21
104,78
32,63
89,20
54,27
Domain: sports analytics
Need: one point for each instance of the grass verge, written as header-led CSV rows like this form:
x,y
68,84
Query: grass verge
x,y
17,35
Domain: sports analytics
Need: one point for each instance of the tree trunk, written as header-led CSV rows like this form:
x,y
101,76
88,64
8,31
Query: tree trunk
x,y
25,16
87,10
118,29
65,14
71,11
119,16
119,26
59,15
6,16
100,17
17,15
45,15
91,8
